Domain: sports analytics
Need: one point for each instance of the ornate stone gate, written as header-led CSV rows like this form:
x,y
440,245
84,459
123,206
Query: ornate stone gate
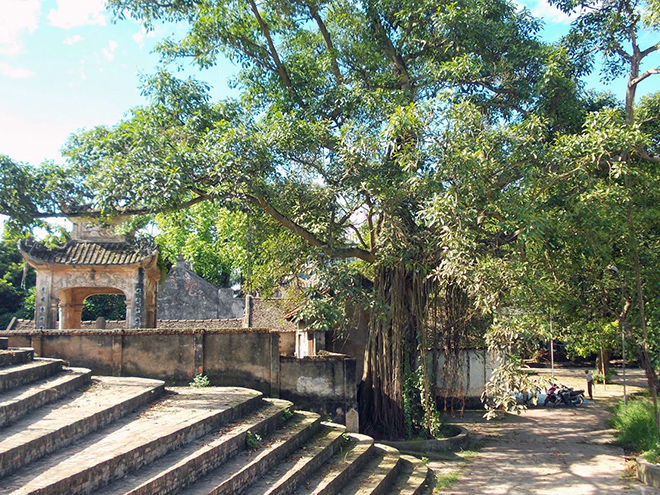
x,y
94,261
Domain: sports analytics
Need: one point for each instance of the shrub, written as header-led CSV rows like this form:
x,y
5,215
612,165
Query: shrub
x,y
200,381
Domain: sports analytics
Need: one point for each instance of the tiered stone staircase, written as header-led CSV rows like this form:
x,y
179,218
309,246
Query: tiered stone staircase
x,y
65,432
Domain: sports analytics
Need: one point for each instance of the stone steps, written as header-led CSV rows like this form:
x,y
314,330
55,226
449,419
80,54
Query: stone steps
x,y
16,375
16,356
184,466
241,470
415,477
378,475
133,442
56,425
64,434
301,464
341,468
19,401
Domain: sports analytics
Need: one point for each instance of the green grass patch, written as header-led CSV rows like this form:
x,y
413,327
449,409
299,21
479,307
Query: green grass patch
x,y
636,425
467,454
446,480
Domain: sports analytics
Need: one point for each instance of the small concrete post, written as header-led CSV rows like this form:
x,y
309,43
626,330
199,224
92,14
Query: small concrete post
x,y
352,421
36,342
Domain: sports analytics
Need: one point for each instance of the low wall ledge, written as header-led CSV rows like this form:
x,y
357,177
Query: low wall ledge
x,y
648,473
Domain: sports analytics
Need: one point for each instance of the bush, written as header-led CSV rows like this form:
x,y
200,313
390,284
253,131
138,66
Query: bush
x,y
636,425
598,377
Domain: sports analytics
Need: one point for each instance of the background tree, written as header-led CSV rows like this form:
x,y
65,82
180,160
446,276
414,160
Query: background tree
x,y
620,152
16,279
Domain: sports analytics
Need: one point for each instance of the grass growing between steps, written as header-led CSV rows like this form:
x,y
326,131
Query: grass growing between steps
x,y
446,480
449,466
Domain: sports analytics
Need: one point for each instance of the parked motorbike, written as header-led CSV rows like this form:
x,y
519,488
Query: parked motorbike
x,y
561,394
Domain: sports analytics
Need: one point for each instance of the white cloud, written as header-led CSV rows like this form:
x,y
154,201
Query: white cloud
x,y
109,52
26,139
73,13
18,17
81,71
15,72
140,35
70,40
542,9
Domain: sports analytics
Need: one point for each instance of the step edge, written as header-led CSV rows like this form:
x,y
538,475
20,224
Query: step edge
x,y
69,382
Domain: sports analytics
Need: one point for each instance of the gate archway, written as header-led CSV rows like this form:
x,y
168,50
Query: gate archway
x,y
94,261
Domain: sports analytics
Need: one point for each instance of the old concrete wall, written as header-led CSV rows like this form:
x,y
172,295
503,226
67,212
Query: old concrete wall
x,y
477,368
325,384
246,357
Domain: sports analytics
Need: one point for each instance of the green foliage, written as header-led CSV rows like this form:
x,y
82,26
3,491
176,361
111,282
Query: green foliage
x,y
287,414
421,419
200,381
500,392
211,238
636,424
109,306
337,290
599,378
252,440
17,280
442,145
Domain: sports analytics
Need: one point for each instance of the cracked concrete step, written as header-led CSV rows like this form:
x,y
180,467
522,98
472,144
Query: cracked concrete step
x,y
234,475
415,477
133,442
56,425
16,355
301,464
378,474
19,401
22,374
184,466
341,468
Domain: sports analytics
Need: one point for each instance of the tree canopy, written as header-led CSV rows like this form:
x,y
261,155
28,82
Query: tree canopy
x,y
443,146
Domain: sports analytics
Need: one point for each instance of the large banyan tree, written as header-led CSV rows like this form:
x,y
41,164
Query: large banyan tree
x,y
409,135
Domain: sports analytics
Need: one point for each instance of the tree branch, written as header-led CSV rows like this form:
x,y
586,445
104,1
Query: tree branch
x,y
648,73
646,156
314,11
354,252
271,46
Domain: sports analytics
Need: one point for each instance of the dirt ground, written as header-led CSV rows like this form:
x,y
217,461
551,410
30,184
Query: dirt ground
x,y
545,450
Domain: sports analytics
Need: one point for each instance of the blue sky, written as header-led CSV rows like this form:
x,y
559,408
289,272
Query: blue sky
x,y
65,66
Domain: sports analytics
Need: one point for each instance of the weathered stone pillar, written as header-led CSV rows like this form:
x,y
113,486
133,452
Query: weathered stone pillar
x,y
198,342
275,364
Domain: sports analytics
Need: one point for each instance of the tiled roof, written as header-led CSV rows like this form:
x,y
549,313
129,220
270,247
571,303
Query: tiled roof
x,y
88,253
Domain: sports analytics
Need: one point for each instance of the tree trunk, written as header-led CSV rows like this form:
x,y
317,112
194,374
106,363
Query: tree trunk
x,y
603,361
391,350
